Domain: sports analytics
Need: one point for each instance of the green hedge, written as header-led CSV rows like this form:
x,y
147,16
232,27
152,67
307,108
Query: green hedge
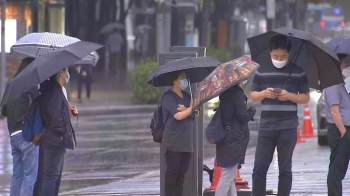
x,y
142,90
221,55
225,55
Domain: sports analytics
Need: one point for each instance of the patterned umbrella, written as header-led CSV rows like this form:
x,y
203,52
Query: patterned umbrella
x,y
35,44
223,77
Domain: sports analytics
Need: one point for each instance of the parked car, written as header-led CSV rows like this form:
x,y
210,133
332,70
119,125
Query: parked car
x,y
322,124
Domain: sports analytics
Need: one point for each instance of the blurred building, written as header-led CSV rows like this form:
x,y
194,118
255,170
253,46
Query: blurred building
x,y
27,16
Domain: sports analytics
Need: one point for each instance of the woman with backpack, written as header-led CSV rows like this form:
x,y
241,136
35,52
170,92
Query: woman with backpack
x,y
231,151
177,140
25,154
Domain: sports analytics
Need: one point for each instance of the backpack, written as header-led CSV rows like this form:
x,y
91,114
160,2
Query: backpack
x,y
215,132
157,123
33,127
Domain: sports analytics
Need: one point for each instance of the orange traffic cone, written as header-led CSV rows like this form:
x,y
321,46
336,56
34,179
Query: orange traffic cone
x,y
308,131
216,177
240,183
299,140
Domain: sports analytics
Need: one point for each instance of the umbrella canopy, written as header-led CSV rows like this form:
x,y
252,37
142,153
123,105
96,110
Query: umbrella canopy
x,y
196,68
143,27
35,44
320,62
109,28
341,45
223,77
46,65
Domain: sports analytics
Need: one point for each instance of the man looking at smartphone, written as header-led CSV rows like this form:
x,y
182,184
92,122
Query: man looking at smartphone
x,y
279,85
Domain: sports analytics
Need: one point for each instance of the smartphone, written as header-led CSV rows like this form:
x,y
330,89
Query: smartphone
x,y
277,90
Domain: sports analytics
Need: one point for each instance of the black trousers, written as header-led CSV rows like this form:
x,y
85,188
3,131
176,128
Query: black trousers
x,y
268,140
339,159
81,82
177,164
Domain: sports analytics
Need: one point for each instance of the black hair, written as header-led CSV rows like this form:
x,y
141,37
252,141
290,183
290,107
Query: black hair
x,y
342,56
24,63
280,42
172,76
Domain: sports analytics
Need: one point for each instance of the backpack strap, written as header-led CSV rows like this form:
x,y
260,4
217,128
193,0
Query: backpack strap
x,y
167,116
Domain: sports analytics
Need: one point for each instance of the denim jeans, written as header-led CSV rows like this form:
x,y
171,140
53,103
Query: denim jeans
x,y
25,166
53,157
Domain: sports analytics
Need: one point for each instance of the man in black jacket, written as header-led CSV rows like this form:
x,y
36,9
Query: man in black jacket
x,y
25,154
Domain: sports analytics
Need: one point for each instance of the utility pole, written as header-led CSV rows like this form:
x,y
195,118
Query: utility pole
x,y
270,14
3,52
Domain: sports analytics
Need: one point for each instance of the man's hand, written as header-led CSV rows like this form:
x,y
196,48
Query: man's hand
x,y
342,133
181,108
284,95
268,93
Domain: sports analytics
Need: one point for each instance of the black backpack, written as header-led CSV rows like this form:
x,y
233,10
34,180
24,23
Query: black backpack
x,y
215,131
157,123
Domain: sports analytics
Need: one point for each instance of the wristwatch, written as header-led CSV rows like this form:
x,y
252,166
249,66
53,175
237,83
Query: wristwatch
x,y
227,128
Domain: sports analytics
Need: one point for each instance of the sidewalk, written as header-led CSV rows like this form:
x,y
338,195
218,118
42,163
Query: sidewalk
x,y
310,167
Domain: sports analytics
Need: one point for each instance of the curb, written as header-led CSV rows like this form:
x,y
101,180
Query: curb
x,y
123,109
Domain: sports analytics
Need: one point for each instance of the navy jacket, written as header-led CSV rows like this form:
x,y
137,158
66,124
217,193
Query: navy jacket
x,y
55,113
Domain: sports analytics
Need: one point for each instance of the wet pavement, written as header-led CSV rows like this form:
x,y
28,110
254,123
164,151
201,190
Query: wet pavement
x,y
115,155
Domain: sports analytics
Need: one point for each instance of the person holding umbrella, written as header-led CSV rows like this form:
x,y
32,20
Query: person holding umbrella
x,y
178,133
55,110
292,61
279,118
59,132
225,81
25,154
177,138
231,152
337,108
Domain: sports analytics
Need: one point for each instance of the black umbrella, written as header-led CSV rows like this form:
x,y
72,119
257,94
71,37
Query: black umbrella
x,y
46,65
341,45
320,62
196,68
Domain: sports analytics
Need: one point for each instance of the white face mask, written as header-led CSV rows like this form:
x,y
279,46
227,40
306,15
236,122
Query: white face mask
x,y
279,64
346,72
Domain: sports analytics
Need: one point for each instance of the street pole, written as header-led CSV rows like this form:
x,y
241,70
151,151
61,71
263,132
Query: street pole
x,y
270,14
3,52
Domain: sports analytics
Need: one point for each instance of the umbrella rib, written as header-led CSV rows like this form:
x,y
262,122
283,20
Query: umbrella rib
x,y
308,49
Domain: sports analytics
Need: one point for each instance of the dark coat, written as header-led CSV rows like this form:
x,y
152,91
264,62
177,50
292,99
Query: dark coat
x,y
233,105
88,78
55,113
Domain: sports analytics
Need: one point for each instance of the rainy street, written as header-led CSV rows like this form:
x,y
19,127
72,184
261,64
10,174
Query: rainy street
x,y
116,156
